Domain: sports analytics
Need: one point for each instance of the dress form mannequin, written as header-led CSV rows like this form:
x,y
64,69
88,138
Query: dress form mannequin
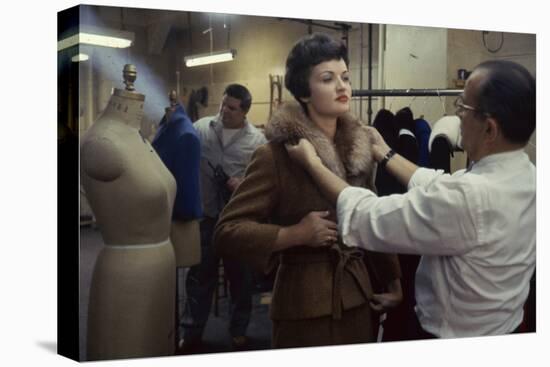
x,y
131,309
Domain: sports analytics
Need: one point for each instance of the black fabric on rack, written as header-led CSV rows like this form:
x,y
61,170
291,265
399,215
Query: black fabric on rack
x,y
385,124
404,119
407,145
389,126
440,154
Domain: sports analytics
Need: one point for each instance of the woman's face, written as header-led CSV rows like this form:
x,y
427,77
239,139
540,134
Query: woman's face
x,y
330,88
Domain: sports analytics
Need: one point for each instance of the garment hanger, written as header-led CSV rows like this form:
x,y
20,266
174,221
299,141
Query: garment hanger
x,y
424,107
391,100
412,101
442,103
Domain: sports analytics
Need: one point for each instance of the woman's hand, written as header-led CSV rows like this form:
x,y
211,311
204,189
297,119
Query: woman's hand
x,y
379,147
382,302
233,183
317,231
313,230
303,153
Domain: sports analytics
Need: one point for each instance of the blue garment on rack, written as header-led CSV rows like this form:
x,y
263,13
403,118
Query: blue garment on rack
x,y
422,131
178,145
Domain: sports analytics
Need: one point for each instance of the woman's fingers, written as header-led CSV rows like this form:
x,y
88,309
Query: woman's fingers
x,y
324,231
330,224
332,233
331,236
376,307
325,223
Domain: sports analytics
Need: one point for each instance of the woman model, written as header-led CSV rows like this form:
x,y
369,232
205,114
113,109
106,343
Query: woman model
x,y
324,292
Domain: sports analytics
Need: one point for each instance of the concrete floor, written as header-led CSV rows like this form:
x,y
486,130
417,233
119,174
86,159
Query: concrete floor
x,y
216,336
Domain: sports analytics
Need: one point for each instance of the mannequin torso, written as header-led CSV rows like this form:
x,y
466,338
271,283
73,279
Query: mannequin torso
x,y
131,310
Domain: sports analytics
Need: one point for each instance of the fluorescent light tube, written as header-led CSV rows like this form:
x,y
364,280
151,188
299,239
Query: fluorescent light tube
x,y
210,58
79,57
97,36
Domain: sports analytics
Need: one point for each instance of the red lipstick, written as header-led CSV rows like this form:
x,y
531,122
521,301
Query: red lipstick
x,y
342,99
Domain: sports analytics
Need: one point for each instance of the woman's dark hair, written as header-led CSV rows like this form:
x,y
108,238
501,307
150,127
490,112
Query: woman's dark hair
x,y
508,94
309,51
241,93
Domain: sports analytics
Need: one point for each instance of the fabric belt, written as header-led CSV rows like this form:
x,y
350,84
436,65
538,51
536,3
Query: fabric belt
x,y
345,259
296,258
138,246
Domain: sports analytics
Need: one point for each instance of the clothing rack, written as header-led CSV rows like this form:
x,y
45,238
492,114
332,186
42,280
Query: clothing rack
x,y
431,92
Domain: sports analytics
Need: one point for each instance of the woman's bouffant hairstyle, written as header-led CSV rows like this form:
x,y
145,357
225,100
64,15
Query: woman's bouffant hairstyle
x,y
308,52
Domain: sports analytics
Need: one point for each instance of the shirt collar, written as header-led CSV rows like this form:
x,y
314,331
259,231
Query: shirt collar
x,y
218,125
498,157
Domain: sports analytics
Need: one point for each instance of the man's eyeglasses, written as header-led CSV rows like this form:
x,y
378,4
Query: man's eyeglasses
x,y
461,107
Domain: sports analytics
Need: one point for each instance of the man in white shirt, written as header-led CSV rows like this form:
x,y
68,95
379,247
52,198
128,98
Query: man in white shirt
x,y
227,143
475,228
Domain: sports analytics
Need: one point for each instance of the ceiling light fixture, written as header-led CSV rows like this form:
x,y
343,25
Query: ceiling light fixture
x,y
210,58
97,36
79,57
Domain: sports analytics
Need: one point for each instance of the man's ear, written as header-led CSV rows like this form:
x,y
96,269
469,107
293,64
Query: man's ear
x,y
492,130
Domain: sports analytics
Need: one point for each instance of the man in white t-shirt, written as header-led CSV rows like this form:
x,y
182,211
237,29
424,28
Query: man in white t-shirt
x,y
227,143
475,228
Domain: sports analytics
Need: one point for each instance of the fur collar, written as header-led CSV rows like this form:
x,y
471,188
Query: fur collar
x,y
350,155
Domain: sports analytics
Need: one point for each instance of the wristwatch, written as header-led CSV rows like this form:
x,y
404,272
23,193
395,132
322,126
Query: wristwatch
x,y
386,158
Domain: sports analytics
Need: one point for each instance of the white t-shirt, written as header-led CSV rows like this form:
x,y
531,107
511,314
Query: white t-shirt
x,y
227,135
476,230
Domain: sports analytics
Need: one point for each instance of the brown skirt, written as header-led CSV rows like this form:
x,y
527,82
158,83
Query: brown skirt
x,y
357,325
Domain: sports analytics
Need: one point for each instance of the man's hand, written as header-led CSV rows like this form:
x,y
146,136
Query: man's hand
x,y
233,183
379,147
303,153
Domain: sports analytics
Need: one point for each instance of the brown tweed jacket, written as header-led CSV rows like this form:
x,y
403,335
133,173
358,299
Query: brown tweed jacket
x,y
276,192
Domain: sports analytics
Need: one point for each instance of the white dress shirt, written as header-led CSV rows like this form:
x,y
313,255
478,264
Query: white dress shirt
x,y
476,230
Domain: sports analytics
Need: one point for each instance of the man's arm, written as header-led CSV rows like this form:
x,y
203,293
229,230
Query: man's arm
x,y
401,168
332,185
328,182
397,165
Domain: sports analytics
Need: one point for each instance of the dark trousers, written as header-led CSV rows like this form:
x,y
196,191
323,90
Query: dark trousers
x,y
401,320
202,281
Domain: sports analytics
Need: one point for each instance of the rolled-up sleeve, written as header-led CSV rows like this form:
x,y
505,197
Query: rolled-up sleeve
x,y
437,216
423,176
